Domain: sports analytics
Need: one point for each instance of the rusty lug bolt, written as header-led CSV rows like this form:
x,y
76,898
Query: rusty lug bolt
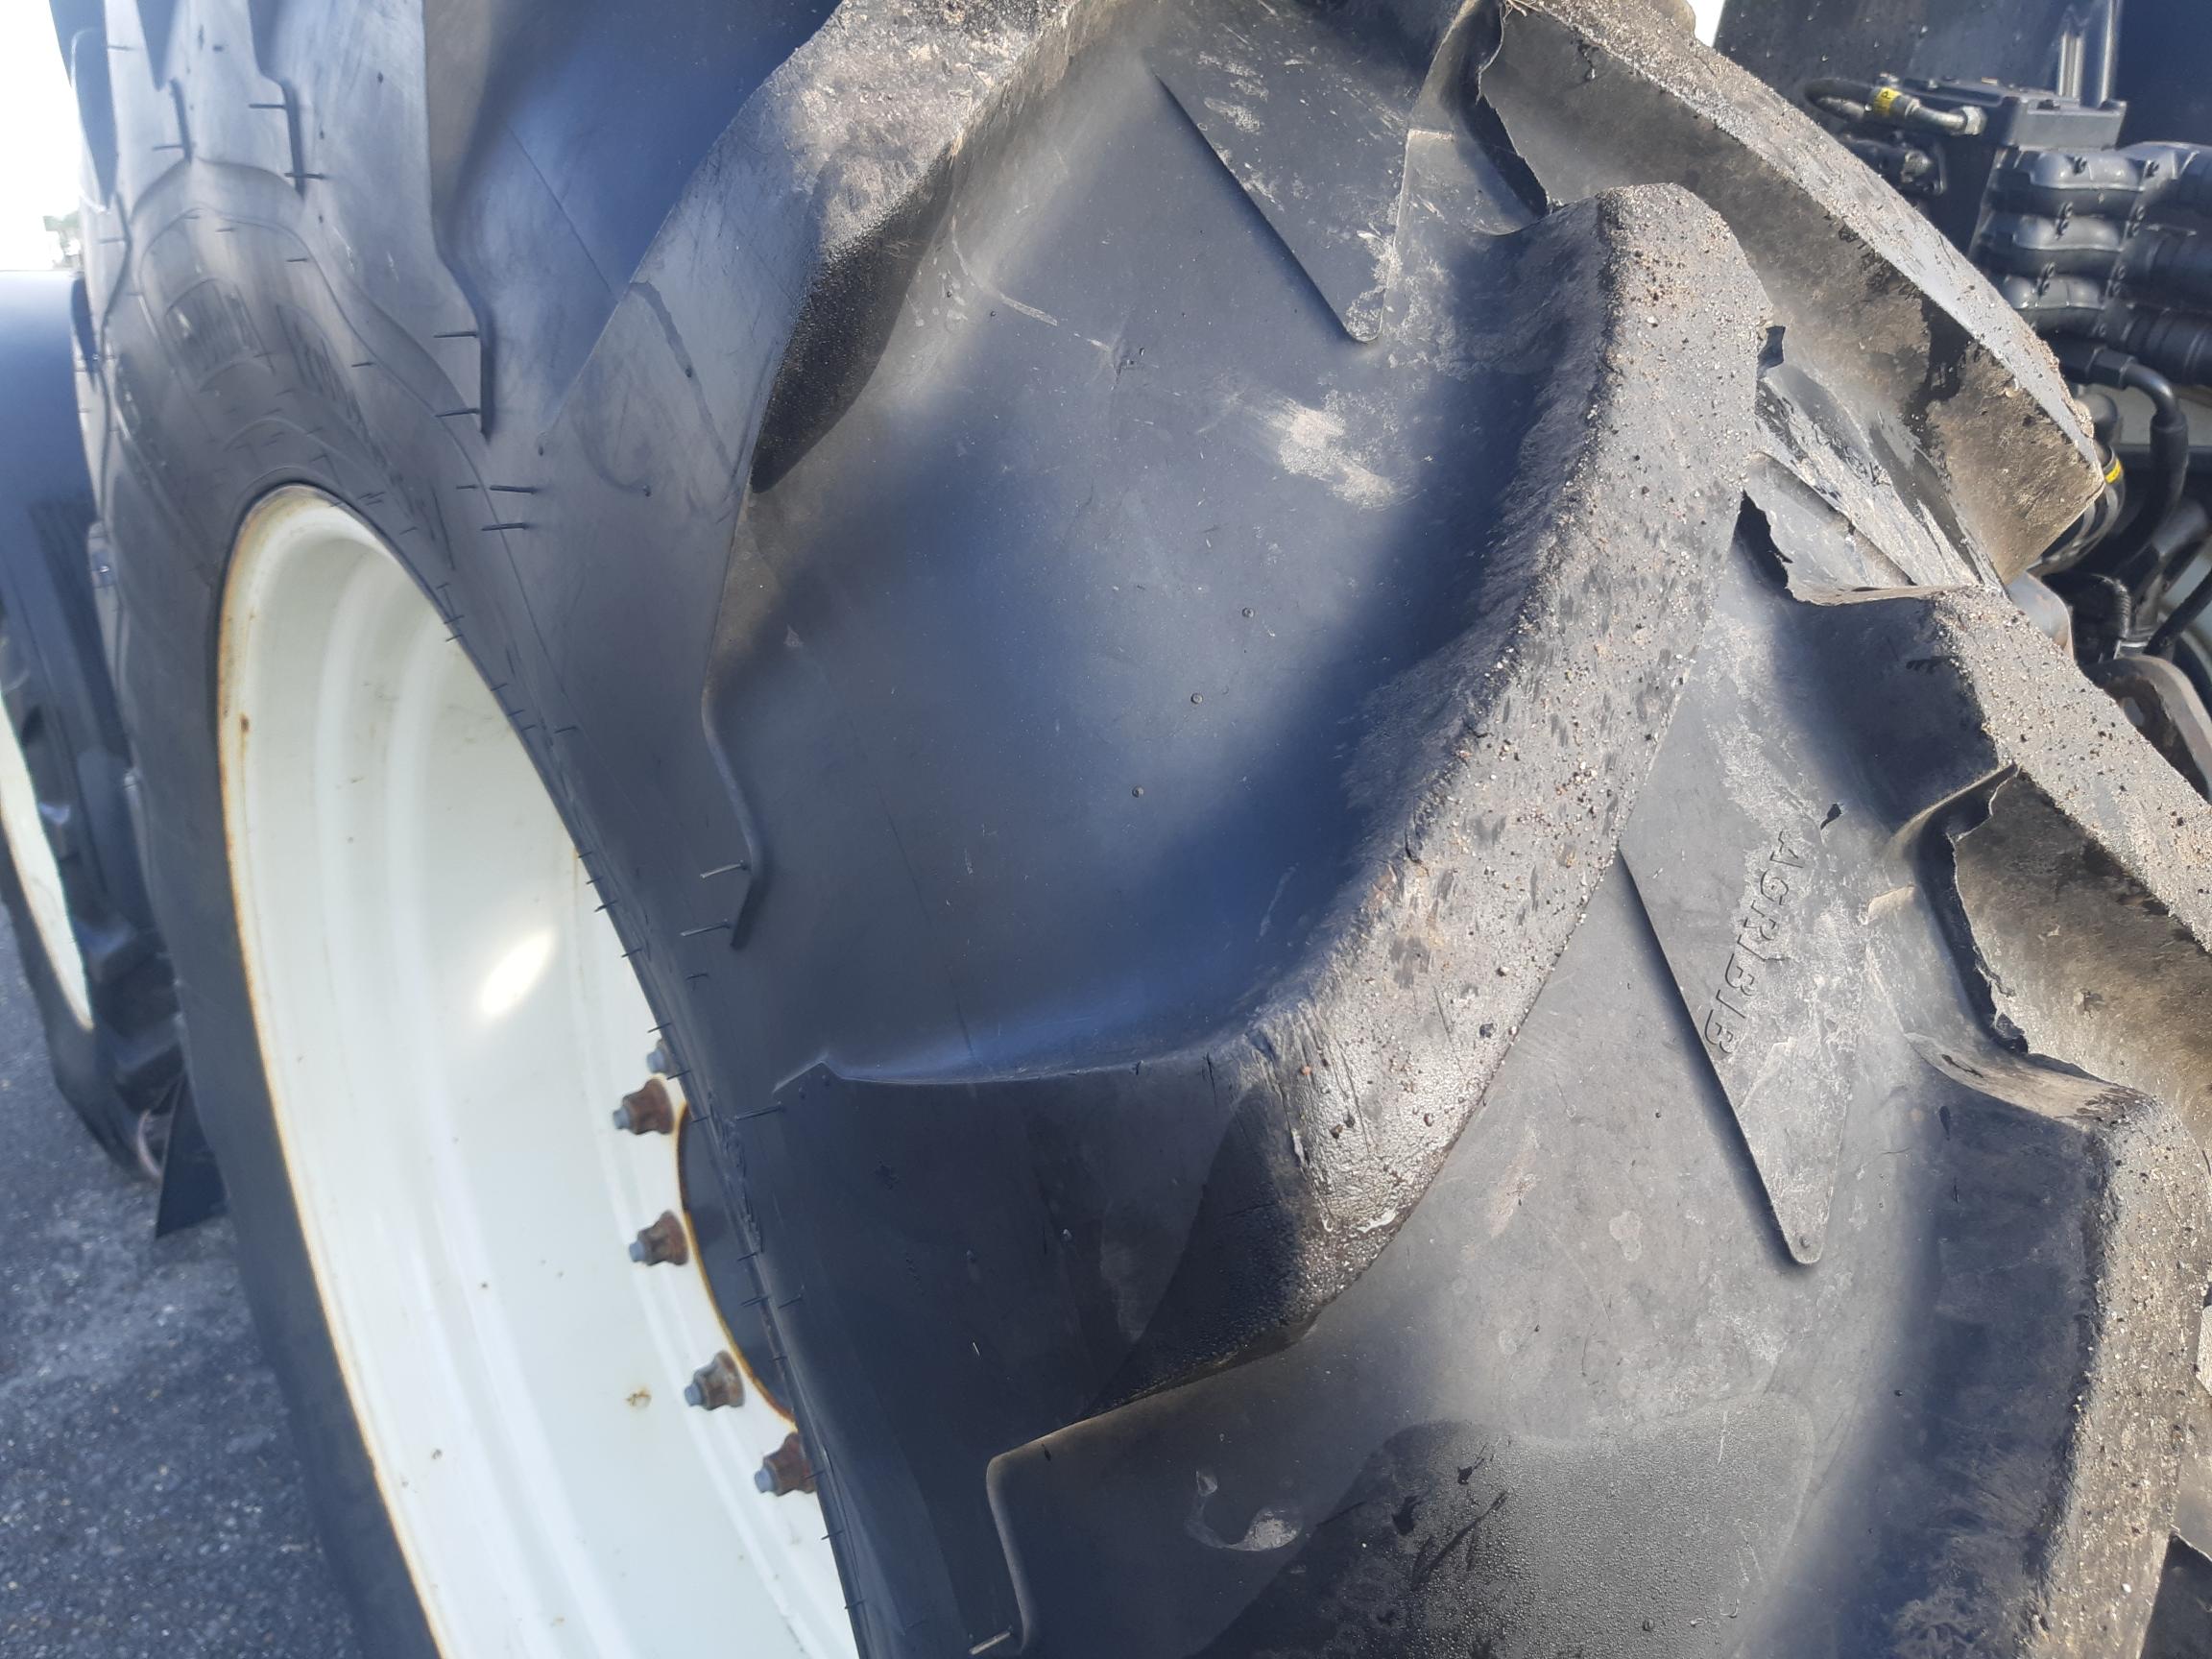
x,y
715,1385
648,1111
784,1470
662,1241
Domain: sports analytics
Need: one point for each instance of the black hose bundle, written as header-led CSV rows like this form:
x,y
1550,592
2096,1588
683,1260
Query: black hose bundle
x,y
2089,363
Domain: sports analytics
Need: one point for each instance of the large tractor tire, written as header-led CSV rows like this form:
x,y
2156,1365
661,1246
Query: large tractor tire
x,y
1121,830
70,879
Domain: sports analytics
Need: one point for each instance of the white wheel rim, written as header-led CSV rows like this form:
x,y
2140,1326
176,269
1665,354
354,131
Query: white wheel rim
x,y
38,876
447,1025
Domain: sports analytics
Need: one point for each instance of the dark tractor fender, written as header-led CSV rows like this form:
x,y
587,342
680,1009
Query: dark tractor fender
x,y
125,1075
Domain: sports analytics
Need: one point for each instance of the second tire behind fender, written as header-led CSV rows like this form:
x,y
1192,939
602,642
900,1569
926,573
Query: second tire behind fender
x,y
71,879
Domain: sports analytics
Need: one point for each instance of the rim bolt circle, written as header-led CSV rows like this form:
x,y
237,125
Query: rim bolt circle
x,y
715,1385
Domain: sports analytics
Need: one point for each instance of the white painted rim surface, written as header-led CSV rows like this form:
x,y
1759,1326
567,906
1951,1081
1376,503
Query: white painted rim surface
x,y
446,1026
38,876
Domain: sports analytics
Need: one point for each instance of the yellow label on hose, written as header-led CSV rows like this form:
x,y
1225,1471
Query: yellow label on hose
x,y
2112,472
1883,99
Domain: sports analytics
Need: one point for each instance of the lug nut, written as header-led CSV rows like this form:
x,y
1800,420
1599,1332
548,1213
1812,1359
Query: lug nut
x,y
648,1111
656,1061
715,1385
663,1241
784,1470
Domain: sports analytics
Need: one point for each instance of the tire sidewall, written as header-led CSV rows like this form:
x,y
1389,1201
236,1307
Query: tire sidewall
x,y
173,558
305,382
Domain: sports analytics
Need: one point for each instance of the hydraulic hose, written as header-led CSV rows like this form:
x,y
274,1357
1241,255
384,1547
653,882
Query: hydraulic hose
x,y
2179,620
2177,264
2171,547
2085,361
2173,345
1860,100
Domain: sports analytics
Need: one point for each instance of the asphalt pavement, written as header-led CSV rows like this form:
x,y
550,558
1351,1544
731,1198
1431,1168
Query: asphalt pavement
x,y
150,1500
